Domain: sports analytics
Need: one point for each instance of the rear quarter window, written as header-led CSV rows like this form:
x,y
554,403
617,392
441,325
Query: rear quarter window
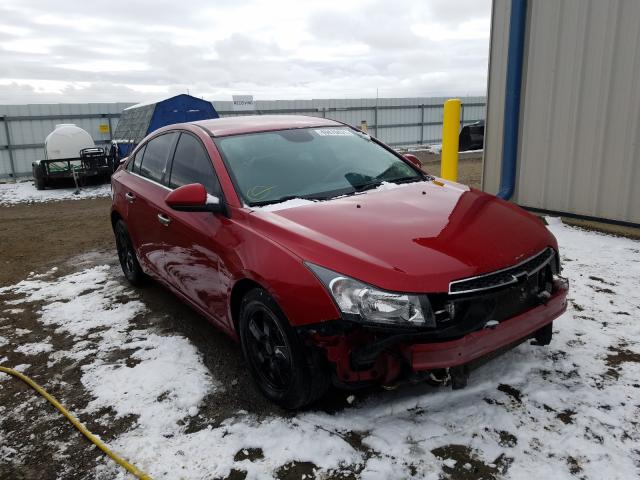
x,y
156,154
134,163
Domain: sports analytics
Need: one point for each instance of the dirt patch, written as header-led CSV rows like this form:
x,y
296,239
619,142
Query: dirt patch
x,y
251,454
574,465
602,290
34,236
469,171
467,464
566,416
469,166
297,471
512,392
619,355
236,475
507,439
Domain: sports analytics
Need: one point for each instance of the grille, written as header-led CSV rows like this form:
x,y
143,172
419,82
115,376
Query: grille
x,y
504,277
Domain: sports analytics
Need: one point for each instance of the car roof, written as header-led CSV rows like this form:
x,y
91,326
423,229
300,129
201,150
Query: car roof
x,y
220,127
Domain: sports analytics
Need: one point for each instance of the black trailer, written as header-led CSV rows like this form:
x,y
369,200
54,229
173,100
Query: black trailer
x,y
92,163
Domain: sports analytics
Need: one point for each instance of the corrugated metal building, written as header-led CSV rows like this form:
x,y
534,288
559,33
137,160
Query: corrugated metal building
x,y
28,125
397,121
579,120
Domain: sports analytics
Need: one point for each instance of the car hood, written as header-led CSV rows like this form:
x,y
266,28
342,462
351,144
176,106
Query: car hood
x,y
414,237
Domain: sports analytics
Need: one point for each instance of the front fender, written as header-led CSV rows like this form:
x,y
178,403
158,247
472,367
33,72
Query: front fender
x,y
303,299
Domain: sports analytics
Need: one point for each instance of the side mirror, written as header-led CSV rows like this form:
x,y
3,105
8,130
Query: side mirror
x,y
193,198
413,159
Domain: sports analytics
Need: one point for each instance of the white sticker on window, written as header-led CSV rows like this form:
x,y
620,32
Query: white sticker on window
x,y
334,132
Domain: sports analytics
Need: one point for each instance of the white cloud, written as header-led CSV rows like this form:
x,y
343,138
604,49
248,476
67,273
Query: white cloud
x,y
132,51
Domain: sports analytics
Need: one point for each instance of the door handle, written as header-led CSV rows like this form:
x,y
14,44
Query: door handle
x,y
130,197
163,219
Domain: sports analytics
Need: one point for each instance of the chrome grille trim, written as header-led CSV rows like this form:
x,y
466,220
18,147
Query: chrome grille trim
x,y
503,277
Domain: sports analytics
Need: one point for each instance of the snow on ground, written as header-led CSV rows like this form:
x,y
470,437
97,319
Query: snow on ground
x,y
565,411
34,348
26,192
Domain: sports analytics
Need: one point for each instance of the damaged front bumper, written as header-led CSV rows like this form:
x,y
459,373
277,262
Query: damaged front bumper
x,y
365,356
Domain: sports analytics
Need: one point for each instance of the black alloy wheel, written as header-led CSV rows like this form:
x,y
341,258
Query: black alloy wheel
x,y
286,371
268,349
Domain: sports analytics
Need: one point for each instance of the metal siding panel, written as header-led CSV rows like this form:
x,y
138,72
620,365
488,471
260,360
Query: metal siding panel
x,y
5,165
590,73
580,127
618,158
500,12
538,126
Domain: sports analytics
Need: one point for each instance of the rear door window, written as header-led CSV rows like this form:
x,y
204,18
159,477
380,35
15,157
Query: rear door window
x,y
134,164
156,153
191,164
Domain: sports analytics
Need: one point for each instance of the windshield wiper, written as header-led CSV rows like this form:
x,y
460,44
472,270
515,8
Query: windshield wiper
x,y
406,180
371,185
367,186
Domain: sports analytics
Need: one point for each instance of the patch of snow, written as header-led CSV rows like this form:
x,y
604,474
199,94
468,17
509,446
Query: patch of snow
x,y
435,148
294,202
299,202
26,192
14,311
34,348
3,341
167,368
79,302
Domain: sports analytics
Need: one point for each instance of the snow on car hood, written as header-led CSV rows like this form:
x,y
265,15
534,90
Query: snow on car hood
x,y
414,237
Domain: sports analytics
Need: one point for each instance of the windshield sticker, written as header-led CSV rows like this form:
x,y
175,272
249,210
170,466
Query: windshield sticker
x,y
334,132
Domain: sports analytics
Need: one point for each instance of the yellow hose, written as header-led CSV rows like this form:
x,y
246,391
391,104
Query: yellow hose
x,y
92,438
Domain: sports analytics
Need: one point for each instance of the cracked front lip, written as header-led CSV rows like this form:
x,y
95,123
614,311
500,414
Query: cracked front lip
x,y
429,356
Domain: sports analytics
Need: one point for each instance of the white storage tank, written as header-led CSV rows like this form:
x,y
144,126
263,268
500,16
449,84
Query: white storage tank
x,y
66,141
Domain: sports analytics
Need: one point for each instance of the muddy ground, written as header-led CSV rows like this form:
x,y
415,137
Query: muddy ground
x,y
469,166
35,236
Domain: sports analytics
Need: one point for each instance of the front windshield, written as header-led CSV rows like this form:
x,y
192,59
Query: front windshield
x,y
313,163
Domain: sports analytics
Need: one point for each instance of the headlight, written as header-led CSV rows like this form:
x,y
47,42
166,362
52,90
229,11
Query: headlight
x,y
373,305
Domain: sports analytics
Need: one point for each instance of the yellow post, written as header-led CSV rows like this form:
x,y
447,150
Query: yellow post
x,y
450,132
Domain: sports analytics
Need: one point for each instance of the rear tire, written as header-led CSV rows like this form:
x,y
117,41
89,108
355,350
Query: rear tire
x,y
127,255
543,336
285,371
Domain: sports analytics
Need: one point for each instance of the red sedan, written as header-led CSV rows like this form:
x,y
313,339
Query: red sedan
x,y
329,256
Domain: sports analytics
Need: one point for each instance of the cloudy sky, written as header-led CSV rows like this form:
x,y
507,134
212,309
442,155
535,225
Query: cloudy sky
x,y
122,50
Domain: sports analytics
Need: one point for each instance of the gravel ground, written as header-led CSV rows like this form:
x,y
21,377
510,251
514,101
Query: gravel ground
x,y
172,394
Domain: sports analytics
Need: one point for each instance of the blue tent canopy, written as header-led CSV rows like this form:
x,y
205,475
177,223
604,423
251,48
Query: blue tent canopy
x,y
138,121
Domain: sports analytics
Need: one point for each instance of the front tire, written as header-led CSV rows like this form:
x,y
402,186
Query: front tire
x,y
286,372
127,255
